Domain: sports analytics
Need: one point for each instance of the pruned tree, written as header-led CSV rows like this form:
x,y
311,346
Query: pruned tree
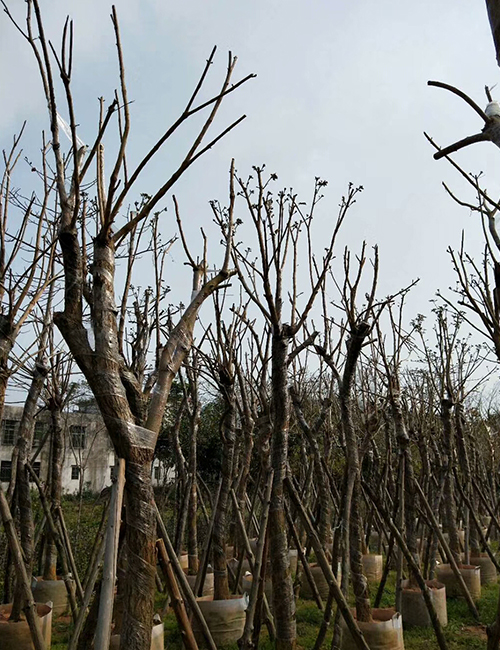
x,y
89,279
278,222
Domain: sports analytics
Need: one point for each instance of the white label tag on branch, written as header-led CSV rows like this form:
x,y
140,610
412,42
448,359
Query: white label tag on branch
x,y
64,126
492,109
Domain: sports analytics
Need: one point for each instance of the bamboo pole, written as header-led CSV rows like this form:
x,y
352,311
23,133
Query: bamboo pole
x,y
490,510
303,560
449,554
96,545
385,574
58,542
202,567
87,595
104,619
21,574
186,589
477,524
268,616
246,640
247,550
414,567
69,553
188,638
357,635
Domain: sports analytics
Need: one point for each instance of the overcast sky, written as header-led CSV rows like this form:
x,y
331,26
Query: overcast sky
x,y
340,93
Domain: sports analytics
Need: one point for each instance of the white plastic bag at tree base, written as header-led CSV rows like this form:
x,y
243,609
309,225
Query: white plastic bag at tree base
x,y
384,632
65,127
17,635
225,619
493,109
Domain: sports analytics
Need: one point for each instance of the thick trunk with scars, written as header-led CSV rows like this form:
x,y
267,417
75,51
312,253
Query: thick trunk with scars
x,y
410,515
227,429
141,554
137,451
283,596
102,369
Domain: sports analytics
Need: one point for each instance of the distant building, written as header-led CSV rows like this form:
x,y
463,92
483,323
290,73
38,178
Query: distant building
x,y
89,456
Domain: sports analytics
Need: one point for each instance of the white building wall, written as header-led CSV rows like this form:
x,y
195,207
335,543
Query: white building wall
x,y
94,460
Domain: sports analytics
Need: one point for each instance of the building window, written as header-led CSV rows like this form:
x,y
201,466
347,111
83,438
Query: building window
x,y
157,473
75,472
77,433
38,433
5,471
9,432
36,469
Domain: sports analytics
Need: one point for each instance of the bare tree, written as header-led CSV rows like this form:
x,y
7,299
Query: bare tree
x,y
133,429
278,223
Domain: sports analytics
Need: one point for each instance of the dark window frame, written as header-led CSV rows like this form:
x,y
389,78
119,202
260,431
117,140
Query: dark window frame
x,y
5,471
78,435
38,433
9,430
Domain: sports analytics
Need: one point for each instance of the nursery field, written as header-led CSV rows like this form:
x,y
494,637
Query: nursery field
x,y
462,631
271,384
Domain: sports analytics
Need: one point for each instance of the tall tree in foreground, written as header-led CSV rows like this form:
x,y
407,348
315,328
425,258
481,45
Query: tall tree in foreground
x,y
132,418
283,229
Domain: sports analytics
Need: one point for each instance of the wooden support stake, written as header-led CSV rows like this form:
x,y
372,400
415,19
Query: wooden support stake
x,y
246,641
183,582
21,574
104,619
357,635
58,542
202,567
188,639
479,528
303,560
449,554
89,589
414,567
69,553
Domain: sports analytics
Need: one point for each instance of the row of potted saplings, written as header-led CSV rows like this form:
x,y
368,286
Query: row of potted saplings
x,y
226,619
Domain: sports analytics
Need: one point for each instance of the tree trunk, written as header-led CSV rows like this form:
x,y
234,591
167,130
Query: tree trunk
x,y
283,597
449,492
55,482
141,555
193,498
24,445
227,427
360,585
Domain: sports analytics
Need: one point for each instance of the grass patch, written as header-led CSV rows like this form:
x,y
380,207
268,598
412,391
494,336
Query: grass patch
x,y
83,517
